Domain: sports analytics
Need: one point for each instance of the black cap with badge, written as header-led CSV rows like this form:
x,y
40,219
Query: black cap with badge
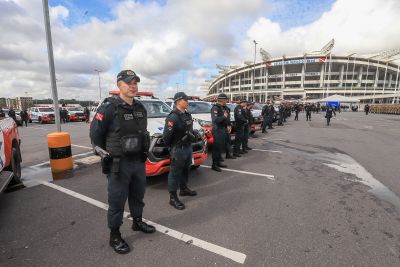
x,y
222,96
127,76
180,95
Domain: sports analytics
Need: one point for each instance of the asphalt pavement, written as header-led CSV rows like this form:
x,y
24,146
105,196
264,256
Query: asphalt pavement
x,y
307,195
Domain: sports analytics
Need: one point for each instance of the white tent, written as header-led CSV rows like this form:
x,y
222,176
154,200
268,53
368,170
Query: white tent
x,y
339,98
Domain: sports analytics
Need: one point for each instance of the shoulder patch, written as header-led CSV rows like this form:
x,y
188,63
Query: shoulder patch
x,y
170,123
99,116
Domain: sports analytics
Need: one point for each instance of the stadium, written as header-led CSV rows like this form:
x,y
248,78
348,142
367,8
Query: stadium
x,y
316,75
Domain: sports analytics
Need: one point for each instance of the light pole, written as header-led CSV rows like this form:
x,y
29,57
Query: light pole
x,y
98,73
51,63
254,66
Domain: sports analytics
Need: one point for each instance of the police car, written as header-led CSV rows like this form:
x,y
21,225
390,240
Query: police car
x,y
10,154
75,113
42,114
158,161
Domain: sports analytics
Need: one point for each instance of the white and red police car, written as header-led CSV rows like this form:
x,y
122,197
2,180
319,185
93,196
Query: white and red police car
x,y
10,154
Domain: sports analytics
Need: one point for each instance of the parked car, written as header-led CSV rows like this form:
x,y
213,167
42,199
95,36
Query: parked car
x,y
75,114
42,115
10,153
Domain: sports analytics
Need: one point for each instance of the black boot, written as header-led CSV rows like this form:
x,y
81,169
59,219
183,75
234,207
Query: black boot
x,y
117,243
215,167
248,148
230,156
175,202
187,192
236,153
139,225
244,151
219,164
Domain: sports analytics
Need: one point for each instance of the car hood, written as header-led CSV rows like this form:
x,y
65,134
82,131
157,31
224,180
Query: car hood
x,y
156,125
202,116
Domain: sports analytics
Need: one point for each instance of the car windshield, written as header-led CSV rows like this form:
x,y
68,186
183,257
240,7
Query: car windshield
x,y
46,110
199,107
74,109
258,106
231,106
156,109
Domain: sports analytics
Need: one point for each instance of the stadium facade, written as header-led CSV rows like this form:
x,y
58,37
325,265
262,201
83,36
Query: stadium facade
x,y
311,76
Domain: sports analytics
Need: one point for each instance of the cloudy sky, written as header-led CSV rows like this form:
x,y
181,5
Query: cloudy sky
x,y
174,43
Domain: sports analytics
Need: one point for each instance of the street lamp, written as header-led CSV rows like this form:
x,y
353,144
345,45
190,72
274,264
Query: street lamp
x,y
254,66
98,73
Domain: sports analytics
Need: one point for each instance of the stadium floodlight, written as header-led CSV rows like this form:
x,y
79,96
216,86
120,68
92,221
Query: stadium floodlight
x,y
265,55
328,47
222,67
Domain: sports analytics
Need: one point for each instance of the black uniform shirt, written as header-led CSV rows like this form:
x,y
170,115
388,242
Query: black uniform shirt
x,y
106,119
217,116
176,124
240,119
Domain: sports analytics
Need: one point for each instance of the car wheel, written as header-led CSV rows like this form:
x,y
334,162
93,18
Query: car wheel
x,y
16,165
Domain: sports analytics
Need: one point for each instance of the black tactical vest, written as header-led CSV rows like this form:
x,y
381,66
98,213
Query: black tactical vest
x,y
186,124
129,137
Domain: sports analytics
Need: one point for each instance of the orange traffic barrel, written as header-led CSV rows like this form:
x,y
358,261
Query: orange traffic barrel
x,y
60,152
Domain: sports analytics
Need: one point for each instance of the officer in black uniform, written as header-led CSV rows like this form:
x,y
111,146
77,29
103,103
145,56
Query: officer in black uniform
x,y
328,114
240,122
228,141
247,127
220,122
265,114
120,127
271,115
179,135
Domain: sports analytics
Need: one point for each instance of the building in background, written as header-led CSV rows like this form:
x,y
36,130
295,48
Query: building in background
x,y
371,79
24,102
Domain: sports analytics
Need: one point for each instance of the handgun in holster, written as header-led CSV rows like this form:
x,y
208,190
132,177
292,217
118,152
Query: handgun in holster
x,y
106,159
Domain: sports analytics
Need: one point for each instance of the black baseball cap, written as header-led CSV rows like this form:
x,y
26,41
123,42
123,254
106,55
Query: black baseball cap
x,y
127,76
180,95
223,96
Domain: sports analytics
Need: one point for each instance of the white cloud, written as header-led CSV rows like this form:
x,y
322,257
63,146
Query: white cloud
x,y
357,26
160,41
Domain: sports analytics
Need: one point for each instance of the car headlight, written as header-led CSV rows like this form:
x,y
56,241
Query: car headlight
x,y
204,123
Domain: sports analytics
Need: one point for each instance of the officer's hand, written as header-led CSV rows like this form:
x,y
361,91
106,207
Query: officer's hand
x,y
225,114
229,128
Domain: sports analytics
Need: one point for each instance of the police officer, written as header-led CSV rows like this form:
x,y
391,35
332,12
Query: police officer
x,y
281,114
328,114
366,109
247,127
228,141
11,114
265,114
220,120
308,109
296,110
271,115
120,127
240,122
179,135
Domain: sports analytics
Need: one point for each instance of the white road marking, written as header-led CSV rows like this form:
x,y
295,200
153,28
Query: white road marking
x,y
37,128
82,146
266,150
227,253
88,160
268,176
272,139
48,162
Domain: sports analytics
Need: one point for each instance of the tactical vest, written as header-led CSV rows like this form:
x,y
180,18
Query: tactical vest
x,y
221,110
130,138
187,123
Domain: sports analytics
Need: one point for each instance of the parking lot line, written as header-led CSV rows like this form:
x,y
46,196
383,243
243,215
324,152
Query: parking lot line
x,y
266,150
48,162
82,146
268,176
227,253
